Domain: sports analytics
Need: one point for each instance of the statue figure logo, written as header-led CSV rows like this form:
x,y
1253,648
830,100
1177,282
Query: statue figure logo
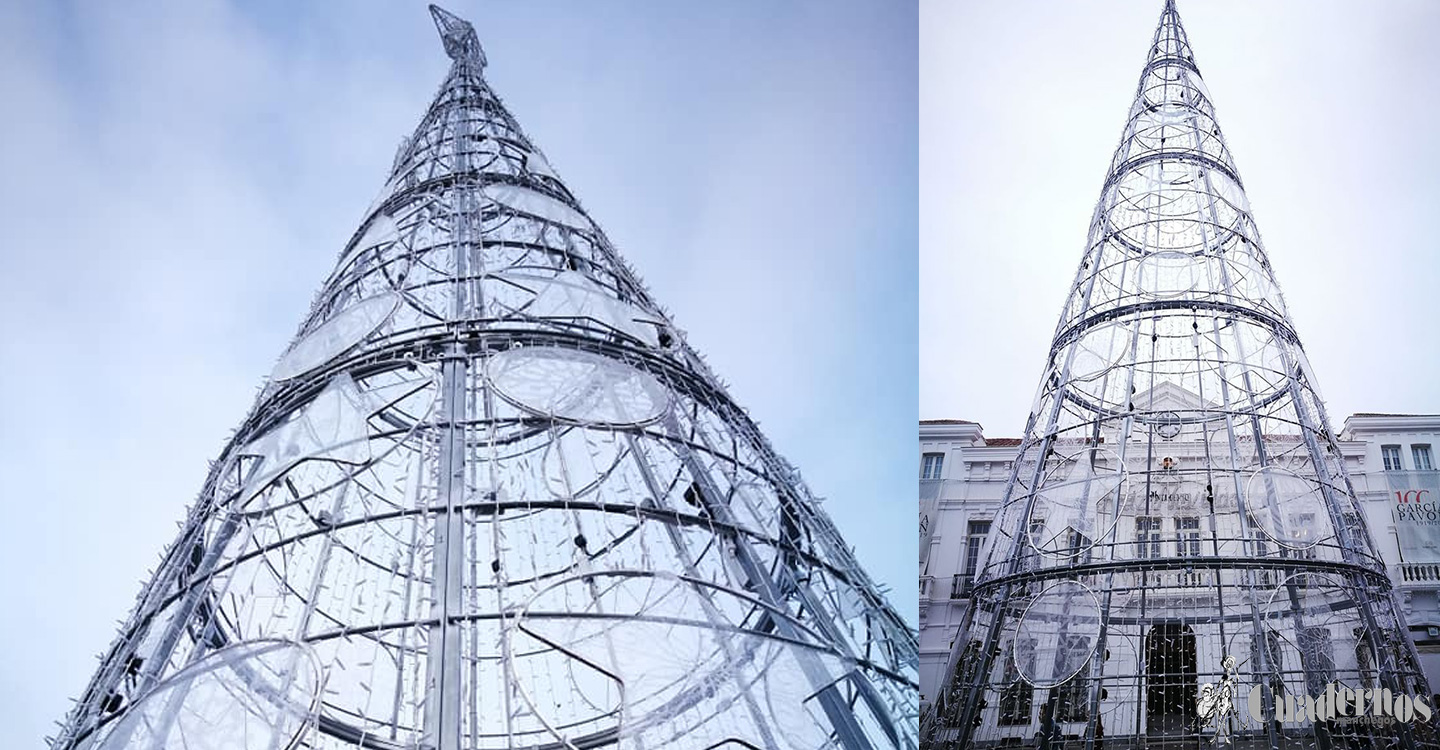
x,y
1216,702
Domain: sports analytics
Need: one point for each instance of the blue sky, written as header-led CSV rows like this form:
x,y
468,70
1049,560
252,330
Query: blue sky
x,y
179,178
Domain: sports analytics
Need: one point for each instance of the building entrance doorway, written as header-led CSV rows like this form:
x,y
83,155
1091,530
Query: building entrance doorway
x,y
1170,679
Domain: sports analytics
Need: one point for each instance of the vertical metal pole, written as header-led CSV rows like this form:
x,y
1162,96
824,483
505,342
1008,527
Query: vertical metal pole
x,y
443,694
444,687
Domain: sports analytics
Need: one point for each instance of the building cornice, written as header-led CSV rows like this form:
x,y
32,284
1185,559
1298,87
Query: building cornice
x,y
952,429
1371,423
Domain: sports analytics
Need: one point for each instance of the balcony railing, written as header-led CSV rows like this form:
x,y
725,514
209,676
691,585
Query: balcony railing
x,y
943,588
1418,573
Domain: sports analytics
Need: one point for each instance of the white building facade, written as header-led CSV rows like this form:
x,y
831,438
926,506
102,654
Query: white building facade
x,y
1390,458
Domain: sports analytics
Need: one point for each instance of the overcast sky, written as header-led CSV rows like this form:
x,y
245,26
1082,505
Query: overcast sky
x,y
1327,106
179,177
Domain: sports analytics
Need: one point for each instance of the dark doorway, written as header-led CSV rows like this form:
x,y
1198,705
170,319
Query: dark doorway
x,y
1170,679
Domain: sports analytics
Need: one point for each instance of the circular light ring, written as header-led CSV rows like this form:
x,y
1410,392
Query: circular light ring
x,y
1229,190
537,204
1167,274
1101,351
1250,281
576,386
348,427
608,624
1288,508
1198,83
266,691
1255,368
381,230
575,462
536,163
342,331
1307,615
570,297
1166,424
1057,634
1076,497
1125,626
1164,113
1238,359
1183,208
1312,600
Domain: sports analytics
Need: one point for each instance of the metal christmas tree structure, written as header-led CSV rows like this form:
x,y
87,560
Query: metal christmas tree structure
x,y
490,498
1178,500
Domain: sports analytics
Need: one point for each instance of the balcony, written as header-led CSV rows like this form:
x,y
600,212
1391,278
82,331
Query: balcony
x,y
944,588
1417,575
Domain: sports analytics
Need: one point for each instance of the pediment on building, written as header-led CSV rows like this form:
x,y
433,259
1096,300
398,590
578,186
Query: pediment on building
x,y
1167,396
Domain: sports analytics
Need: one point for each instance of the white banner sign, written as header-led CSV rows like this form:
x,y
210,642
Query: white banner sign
x,y
1415,496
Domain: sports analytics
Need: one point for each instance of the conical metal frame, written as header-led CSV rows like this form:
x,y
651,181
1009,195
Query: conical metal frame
x,y
1178,498
491,498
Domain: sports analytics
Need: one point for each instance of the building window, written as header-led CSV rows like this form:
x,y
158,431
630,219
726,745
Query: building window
x,y
1187,544
1421,454
1303,524
974,541
1073,699
1147,537
1187,537
1391,454
1029,557
1037,530
1316,658
1273,667
1260,545
1364,662
1016,698
1078,545
930,465
963,678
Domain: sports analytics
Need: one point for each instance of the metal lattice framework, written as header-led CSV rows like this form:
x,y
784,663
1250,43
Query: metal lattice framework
x,y
1178,497
490,498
